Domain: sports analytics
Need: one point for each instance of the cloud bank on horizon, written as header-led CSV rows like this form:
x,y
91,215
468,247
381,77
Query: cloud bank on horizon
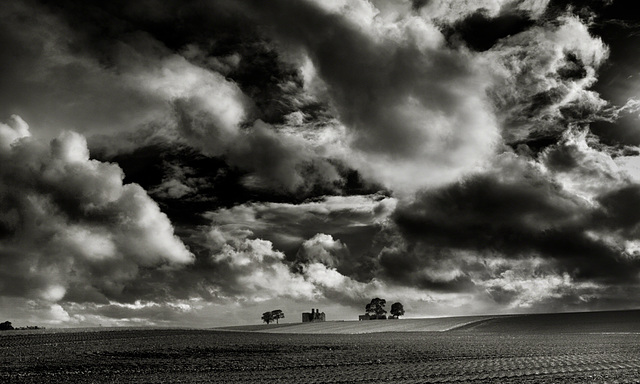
x,y
197,163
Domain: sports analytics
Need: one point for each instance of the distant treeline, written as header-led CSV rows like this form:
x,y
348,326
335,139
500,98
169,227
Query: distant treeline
x,y
6,326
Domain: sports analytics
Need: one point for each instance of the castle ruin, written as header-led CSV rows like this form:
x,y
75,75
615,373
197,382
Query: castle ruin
x,y
315,315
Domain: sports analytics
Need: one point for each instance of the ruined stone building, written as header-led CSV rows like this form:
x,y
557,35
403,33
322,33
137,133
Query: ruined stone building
x,y
315,315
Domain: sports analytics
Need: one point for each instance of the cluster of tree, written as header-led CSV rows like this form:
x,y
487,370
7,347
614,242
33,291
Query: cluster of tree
x,y
6,326
376,309
274,315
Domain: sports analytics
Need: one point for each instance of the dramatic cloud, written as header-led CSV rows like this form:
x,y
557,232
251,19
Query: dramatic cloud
x,y
352,220
251,271
323,249
70,228
452,11
517,213
50,81
256,270
408,127
196,162
581,168
137,82
546,72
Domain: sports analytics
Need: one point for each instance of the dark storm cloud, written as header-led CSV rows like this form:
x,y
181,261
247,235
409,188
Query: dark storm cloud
x,y
529,234
130,80
480,32
516,216
206,36
427,268
186,182
619,213
45,69
405,97
389,93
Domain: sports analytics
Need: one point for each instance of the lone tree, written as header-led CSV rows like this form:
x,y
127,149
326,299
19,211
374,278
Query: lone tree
x,y
274,315
397,310
267,317
6,326
376,308
277,314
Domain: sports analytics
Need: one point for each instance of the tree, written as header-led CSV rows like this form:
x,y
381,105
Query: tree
x,y
376,307
274,315
397,310
267,317
6,326
277,314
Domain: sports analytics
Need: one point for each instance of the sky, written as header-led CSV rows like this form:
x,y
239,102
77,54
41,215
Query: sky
x,y
197,163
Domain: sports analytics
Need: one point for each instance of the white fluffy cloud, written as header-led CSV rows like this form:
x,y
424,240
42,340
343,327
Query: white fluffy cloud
x,y
581,168
70,227
253,270
289,225
250,270
323,249
524,288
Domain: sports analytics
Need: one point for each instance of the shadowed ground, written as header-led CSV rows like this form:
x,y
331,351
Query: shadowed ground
x,y
564,348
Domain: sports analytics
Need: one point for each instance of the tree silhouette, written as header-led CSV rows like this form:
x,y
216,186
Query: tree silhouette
x,y
274,315
376,307
267,317
397,310
277,314
6,326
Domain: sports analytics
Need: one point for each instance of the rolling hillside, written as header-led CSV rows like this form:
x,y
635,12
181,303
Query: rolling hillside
x,y
372,326
577,322
582,322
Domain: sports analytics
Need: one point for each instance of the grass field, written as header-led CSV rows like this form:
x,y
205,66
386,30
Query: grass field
x,y
563,348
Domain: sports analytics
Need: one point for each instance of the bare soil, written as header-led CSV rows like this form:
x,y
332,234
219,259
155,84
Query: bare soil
x,y
198,356
589,348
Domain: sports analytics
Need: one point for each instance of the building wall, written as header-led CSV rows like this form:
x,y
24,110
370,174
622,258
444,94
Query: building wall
x,y
314,315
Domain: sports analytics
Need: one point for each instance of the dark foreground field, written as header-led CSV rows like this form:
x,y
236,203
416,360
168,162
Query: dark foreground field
x,y
538,350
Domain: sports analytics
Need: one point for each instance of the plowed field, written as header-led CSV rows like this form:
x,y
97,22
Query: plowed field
x,y
201,356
